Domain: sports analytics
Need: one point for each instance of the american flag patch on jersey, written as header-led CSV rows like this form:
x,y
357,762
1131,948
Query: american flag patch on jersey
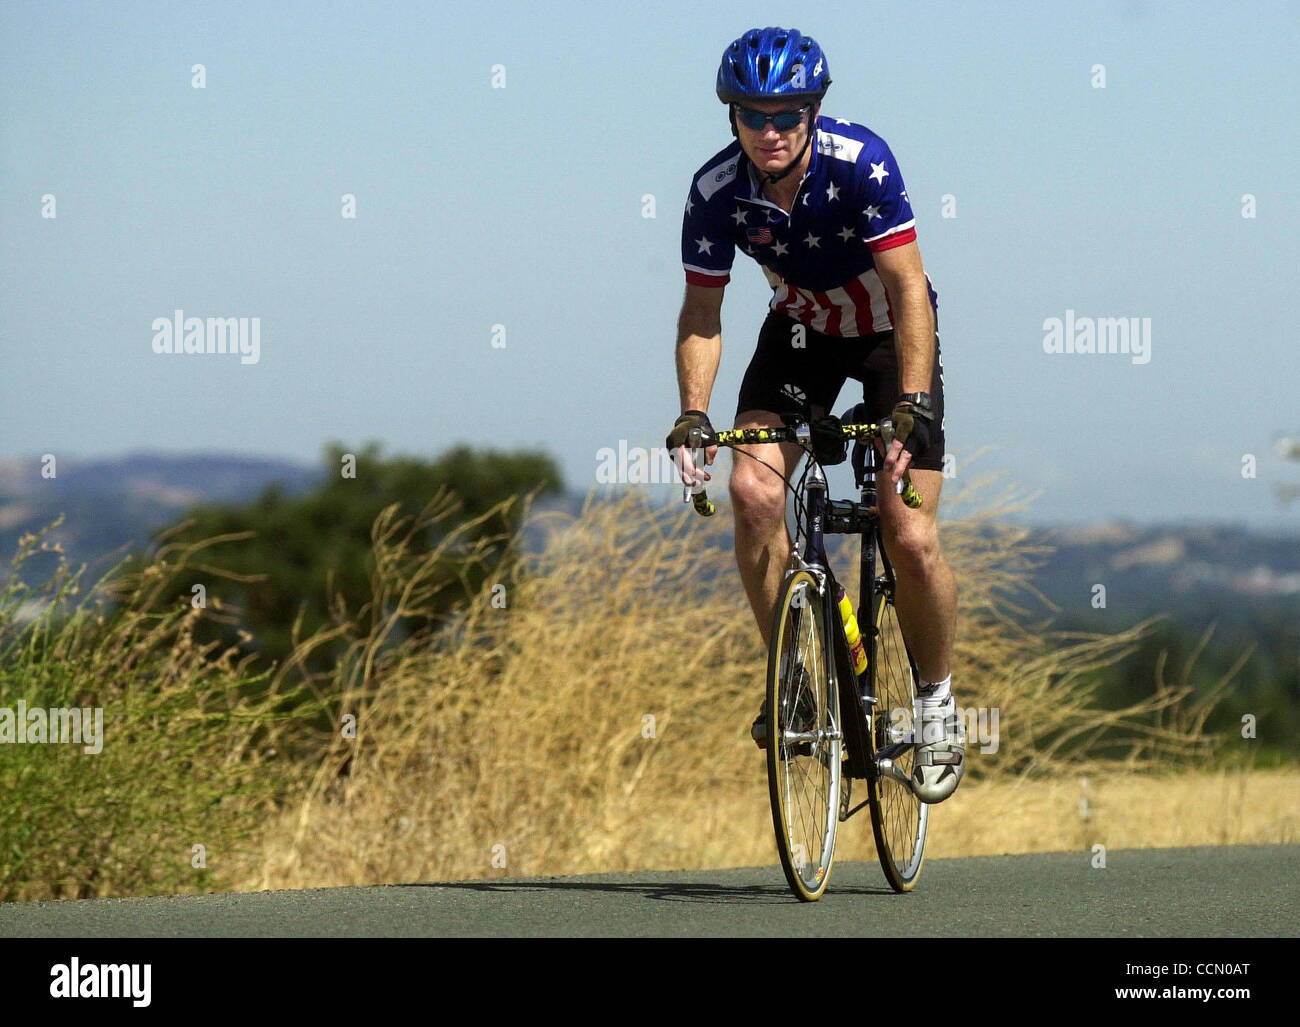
x,y
762,236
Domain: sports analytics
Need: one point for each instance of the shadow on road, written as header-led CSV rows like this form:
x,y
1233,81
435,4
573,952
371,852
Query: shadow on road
x,y
721,894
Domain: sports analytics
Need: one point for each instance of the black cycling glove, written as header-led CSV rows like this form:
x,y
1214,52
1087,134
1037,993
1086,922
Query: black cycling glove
x,y
911,427
689,419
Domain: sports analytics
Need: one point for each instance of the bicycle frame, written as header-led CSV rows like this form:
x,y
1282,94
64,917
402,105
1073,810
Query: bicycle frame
x,y
827,516
870,746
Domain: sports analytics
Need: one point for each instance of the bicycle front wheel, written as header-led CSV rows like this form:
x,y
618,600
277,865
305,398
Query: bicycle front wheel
x,y
899,820
804,737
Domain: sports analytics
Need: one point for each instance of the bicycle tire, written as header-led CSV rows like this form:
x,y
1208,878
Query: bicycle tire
x,y
899,820
805,824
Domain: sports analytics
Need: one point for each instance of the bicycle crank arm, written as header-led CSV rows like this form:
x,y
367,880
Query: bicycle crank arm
x,y
888,768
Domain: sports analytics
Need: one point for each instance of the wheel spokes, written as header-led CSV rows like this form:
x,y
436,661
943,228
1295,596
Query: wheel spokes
x,y
804,719
903,814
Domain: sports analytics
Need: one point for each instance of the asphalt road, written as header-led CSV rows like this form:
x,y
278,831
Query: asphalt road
x,y
1238,891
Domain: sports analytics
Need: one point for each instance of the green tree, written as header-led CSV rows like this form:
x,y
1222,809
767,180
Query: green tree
x,y
293,556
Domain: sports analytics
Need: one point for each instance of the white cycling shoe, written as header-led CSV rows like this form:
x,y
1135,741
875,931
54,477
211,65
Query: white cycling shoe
x,y
939,760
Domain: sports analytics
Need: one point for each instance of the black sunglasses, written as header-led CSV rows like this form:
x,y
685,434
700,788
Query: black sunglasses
x,y
782,121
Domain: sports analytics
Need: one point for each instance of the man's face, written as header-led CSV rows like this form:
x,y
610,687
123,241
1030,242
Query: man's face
x,y
770,150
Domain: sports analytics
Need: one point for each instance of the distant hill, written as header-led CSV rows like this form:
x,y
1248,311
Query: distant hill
x,y
111,504
1195,570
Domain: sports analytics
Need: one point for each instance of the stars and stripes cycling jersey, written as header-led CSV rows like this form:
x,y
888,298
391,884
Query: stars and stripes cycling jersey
x,y
818,258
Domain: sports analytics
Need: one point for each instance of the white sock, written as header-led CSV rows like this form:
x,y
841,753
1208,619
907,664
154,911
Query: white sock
x,y
934,691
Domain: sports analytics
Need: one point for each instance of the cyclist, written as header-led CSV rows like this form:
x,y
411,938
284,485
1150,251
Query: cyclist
x,y
820,204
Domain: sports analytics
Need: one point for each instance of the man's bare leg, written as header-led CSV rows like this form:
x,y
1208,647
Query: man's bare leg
x,y
758,498
926,603
926,600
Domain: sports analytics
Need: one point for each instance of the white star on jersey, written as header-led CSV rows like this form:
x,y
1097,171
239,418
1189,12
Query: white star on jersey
x,y
837,241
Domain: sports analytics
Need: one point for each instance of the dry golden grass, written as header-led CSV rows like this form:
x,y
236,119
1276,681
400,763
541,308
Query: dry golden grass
x,y
1123,811
599,722
587,711
187,758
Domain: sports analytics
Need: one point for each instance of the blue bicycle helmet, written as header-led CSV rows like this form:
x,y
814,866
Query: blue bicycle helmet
x,y
770,64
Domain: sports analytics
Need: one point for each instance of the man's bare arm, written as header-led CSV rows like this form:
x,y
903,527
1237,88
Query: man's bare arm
x,y
903,276
699,345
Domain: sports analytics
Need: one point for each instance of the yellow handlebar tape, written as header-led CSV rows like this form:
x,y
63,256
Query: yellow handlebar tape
x,y
911,497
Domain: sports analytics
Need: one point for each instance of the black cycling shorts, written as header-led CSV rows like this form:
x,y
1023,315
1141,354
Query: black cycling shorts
x,y
782,378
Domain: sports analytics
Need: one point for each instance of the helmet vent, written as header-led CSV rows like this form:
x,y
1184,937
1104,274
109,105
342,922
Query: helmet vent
x,y
761,64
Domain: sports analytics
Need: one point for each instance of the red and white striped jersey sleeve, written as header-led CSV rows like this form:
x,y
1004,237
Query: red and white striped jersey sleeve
x,y
708,247
886,217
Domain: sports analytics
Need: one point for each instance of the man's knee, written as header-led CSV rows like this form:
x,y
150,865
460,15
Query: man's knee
x,y
913,545
758,499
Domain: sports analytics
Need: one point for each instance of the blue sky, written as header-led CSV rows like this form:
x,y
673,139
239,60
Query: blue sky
x,y
522,206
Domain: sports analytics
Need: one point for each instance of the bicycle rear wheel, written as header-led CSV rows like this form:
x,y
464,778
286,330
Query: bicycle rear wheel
x,y
804,737
899,820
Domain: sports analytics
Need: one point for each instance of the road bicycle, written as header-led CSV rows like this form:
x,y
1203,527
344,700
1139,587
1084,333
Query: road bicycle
x,y
828,726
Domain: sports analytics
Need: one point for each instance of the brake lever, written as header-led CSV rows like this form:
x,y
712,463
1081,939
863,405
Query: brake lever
x,y
903,487
695,441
